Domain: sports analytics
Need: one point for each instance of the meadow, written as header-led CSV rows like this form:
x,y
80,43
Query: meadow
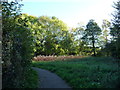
x,y
85,72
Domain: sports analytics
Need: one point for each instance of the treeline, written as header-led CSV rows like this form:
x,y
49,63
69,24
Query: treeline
x,y
53,37
25,36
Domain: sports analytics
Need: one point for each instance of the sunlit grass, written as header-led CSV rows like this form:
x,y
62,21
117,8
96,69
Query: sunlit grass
x,y
90,72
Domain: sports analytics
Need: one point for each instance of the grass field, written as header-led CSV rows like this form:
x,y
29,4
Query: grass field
x,y
88,72
31,80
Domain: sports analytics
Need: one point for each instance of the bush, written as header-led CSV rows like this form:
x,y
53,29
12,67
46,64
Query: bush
x,y
17,43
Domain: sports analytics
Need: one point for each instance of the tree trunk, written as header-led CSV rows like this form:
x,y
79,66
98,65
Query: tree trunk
x,y
117,48
93,42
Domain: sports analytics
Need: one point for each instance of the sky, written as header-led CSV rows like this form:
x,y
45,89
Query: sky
x,y
71,12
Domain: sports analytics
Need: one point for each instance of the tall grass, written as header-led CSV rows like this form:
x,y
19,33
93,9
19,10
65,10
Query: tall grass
x,y
89,72
54,58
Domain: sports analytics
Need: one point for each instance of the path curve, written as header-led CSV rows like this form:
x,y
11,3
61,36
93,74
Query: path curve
x,y
48,79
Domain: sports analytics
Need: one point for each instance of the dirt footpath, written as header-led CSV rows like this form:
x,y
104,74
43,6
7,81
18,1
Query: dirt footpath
x,y
48,79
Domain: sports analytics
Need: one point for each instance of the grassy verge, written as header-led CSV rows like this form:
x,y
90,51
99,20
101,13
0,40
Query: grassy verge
x,y
31,80
90,72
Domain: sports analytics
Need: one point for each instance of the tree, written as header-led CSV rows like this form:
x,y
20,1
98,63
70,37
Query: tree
x,y
105,27
79,42
92,32
8,26
104,38
67,43
53,32
17,42
115,29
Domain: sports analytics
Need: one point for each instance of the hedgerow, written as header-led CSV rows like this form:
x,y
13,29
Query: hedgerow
x,y
17,46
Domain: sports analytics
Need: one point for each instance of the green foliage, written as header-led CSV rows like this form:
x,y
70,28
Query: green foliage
x,y
80,46
91,35
17,43
89,72
55,32
105,30
31,79
116,23
109,50
115,29
112,48
51,35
